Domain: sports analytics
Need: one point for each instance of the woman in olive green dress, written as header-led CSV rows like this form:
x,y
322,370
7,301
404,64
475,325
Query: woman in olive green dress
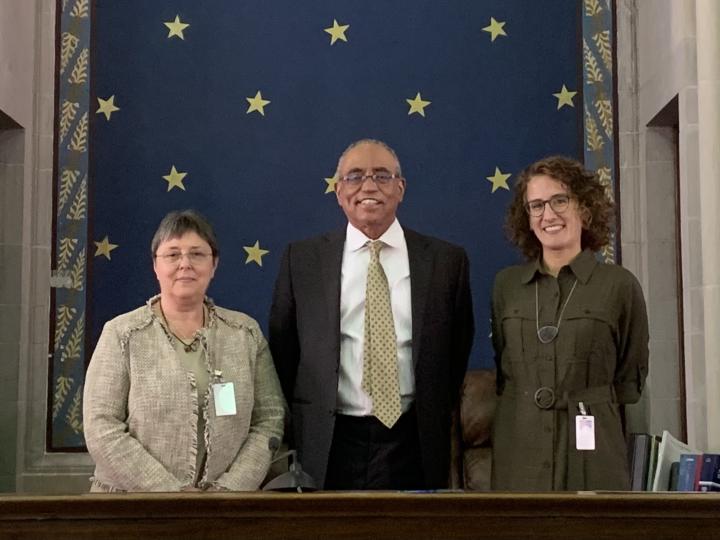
x,y
570,336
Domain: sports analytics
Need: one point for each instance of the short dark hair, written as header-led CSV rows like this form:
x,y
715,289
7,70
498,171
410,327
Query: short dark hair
x,y
179,222
596,206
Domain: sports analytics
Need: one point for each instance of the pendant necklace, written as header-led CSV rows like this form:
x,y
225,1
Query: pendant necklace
x,y
547,333
192,345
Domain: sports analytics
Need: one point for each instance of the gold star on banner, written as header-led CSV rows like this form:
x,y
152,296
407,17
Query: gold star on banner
x,y
255,253
495,29
104,247
417,105
107,107
176,27
331,183
175,179
257,103
337,31
499,180
565,97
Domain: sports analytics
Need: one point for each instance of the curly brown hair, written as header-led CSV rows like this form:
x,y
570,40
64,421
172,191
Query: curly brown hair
x,y
596,207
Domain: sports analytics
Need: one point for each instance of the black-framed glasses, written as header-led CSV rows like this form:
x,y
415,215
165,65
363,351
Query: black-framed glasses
x,y
559,204
195,257
357,178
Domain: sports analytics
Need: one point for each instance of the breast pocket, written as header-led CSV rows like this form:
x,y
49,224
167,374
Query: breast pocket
x,y
520,343
589,329
590,349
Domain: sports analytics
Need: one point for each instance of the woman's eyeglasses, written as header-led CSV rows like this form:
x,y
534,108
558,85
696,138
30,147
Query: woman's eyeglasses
x,y
559,204
195,257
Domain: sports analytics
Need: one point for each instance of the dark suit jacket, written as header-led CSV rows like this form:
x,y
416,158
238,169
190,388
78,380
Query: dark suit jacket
x,y
305,343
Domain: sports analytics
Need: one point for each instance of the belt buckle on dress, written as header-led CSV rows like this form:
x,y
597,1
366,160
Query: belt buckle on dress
x,y
544,397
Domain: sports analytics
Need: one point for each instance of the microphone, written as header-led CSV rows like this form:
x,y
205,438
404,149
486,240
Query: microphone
x,y
295,479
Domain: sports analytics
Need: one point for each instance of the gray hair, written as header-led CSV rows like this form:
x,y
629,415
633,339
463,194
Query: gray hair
x,y
369,141
179,222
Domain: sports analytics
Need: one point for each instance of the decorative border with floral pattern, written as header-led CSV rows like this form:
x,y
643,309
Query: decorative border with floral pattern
x,y
69,262
599,98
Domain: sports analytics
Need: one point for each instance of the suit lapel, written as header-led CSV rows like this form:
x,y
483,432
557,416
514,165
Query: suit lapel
x,y
421,266
330,256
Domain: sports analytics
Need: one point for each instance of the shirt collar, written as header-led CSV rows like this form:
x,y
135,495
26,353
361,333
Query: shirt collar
x,y
581,266
529,271
356,239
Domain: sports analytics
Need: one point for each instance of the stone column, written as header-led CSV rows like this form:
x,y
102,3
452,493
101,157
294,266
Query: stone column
x,y
707,14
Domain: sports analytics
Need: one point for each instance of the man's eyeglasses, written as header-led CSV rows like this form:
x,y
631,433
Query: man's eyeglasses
x,y
559,203
357,178
195,257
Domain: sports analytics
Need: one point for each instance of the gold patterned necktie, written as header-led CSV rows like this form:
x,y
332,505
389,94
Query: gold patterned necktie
x,y
380,370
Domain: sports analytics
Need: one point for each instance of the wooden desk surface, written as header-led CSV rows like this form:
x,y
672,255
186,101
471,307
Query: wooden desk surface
x,y
374,515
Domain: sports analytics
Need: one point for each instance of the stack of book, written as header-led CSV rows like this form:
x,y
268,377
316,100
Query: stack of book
x,y
667,464
642,456
699,472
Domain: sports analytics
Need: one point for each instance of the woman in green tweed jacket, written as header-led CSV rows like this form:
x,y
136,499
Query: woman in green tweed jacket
x,y
570,335
181,395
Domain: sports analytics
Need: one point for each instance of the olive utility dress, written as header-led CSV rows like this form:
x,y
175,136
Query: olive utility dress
x,y
599,358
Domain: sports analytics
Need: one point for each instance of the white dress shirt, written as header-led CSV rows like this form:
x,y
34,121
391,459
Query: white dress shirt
x,y
352,399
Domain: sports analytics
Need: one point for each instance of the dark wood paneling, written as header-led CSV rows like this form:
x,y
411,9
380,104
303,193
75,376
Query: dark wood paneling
x,y
362,515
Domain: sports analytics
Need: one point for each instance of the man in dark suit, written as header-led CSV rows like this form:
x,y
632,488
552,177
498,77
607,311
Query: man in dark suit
x,y
370,330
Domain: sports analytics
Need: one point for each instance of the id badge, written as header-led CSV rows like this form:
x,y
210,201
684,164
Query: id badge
x,y
224,394
584,432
